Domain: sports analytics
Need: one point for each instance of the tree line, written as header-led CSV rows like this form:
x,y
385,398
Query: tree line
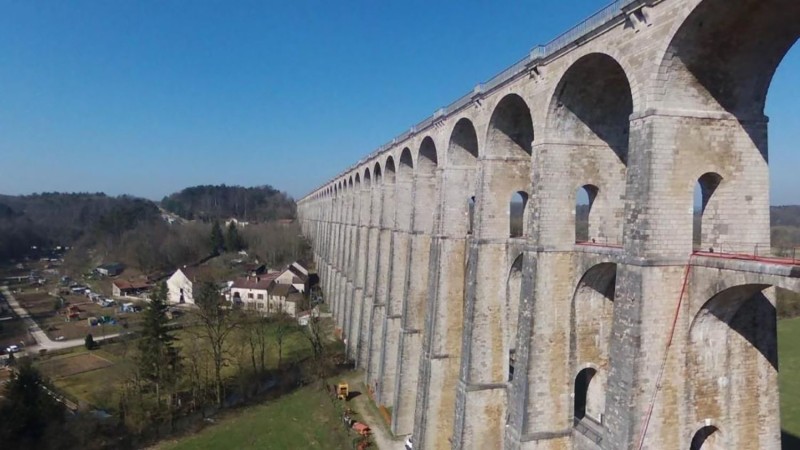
x,y
52,219
255,204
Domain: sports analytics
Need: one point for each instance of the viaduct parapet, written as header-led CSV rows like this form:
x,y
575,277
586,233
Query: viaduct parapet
x,y
479,334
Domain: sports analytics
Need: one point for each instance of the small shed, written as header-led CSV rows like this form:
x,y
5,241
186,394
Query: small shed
x,y
110,269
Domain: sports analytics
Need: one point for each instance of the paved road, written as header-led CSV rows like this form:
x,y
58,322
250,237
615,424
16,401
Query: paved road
x,y
42,341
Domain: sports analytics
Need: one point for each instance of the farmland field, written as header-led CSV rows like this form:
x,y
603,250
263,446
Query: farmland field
x,y
73,365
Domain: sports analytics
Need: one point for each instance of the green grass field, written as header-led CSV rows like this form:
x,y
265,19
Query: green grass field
x,y
304,419
96,387
789,375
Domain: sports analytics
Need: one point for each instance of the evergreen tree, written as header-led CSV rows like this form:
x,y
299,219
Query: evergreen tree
x,y
233,242
27,411
89,342
158,357
217,240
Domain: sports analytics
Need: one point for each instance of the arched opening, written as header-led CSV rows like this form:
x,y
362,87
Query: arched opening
x,y
377,181
706,226
425,194
731,366
470,214
511,128
585,222
706,439
389,171
723,56
590,113
593,104
784,132
406,162
586,396
513,297
516,213
403,200
428,159
458,181
590,340
463,148
722,62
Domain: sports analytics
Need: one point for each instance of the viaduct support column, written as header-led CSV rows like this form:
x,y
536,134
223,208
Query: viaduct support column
x,y
413,321
338,286
540,401
384,258
481,404
354,332
365,335
333,241
650,282
343,260
350,262
433,422
397,285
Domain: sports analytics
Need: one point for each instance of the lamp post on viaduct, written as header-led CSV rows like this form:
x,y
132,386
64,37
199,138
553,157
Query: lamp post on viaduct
x,y
629,338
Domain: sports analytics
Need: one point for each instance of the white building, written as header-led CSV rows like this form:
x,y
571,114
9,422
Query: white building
x,y
183,284
295,275
283,298
252,291
265,295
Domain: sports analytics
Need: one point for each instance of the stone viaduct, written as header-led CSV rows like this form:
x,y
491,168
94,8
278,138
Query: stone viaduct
x,y
478,338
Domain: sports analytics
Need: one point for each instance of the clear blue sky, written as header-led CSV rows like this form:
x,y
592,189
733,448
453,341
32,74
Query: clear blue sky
x,y
148,97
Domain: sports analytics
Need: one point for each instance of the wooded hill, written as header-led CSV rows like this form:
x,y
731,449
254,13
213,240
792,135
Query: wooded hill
x,y
255,204
51,219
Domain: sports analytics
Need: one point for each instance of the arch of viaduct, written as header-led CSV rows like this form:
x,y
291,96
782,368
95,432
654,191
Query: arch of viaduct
x,y
477,339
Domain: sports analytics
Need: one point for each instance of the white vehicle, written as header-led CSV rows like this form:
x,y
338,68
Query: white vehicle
x,y
409,444
12,349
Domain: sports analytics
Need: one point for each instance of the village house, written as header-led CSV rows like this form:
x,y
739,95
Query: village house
x,y
251,291
183,284
295,275
284,298
125,288
272,293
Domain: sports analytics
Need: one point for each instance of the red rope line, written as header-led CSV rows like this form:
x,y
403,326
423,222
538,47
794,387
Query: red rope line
x,y
666,354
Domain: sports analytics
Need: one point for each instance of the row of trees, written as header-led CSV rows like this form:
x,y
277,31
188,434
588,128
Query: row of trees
x,y
206,203
222,351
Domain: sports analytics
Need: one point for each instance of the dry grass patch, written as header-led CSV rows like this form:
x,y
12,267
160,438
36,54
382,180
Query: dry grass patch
x,y
73,365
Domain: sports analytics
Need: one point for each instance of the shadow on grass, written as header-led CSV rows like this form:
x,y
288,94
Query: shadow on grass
x,y
789,441
352,395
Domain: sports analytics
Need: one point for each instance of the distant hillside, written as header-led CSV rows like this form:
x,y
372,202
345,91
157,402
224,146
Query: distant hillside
x,y
62,219
785,216
262,203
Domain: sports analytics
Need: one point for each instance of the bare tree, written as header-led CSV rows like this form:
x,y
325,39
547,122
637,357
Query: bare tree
x,y
217,321
284,326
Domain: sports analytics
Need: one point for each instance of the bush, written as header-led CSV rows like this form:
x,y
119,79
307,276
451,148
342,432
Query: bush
x,y
89,342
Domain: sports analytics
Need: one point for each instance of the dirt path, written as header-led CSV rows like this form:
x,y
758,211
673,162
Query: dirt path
x,y
367,413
